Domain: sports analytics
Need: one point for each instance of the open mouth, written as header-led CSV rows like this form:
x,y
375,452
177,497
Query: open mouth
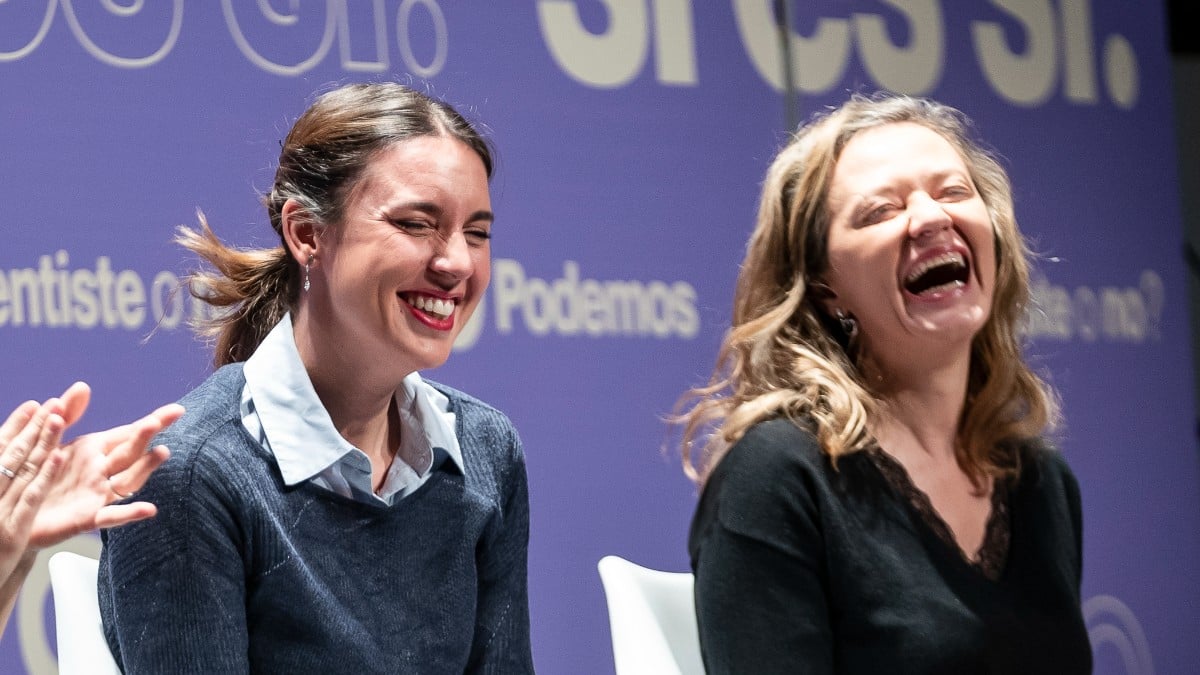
x,y
439,309
945,272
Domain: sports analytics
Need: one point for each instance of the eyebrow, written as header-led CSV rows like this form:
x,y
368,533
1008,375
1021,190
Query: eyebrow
x,y
437,211
943,174
938,175
863,206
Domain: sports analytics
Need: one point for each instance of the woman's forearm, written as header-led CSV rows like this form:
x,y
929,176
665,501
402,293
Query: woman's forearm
x,y
12,586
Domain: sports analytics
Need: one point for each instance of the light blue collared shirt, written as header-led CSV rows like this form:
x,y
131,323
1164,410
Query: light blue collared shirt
x,y
282,412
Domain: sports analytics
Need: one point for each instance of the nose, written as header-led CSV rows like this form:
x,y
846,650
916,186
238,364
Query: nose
x,y
926,216
453,258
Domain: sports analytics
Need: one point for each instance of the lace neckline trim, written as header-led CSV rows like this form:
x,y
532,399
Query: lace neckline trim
x,y
993,553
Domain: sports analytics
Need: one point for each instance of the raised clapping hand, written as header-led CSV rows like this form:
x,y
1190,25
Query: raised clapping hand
x,y
99,469
29,462
51,492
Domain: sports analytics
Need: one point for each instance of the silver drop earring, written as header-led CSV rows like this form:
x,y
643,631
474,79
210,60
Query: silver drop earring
x,y
307,265
847,322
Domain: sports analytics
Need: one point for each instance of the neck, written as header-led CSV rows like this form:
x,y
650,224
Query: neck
x,y
922,405
358,397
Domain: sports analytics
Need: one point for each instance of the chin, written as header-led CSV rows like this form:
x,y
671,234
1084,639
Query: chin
x,y
435,359
942,329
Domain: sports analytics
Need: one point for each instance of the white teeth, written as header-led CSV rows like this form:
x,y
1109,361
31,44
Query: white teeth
x,y
436,306
952,257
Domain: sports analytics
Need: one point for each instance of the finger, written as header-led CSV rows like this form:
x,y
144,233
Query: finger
x,y
168,414
132,478
28,456
114,515
16,421
75,402
11,455
134,446
20,451
141,432
48,440
33,493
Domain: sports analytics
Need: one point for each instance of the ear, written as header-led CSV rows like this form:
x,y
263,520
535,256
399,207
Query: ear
x,y
298,230
823,295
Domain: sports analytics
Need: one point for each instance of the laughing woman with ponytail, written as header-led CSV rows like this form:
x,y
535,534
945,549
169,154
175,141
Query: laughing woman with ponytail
x,y
326,509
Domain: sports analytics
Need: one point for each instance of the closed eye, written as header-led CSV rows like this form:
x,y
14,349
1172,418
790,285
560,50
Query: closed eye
x,y
877,215
478,235
954,193
413,226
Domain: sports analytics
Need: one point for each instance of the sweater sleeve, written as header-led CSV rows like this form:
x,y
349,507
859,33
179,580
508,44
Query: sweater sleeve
x,y
1074,501
172,589
758,555
501,642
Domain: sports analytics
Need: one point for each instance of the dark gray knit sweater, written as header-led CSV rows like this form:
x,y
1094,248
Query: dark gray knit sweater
x,y
240,573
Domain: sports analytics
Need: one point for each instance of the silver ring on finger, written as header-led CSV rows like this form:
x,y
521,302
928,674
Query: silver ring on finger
x,y
7,472
115,491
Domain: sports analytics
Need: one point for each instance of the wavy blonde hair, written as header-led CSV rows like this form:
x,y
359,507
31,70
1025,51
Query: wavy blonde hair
x,y
784,356
321,161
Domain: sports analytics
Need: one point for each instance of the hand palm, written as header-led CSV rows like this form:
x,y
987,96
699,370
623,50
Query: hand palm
x,y
96,467
77,501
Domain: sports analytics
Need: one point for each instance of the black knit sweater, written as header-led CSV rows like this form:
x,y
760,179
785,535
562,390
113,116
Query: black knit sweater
x,y
804,569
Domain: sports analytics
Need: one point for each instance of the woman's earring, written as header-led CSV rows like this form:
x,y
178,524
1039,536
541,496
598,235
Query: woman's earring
x,y
307,265
847,322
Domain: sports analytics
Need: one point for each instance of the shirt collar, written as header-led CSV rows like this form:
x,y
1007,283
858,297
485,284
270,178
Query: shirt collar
x,y
299,431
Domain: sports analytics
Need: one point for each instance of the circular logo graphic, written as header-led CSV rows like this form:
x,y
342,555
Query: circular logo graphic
x,y
1112,625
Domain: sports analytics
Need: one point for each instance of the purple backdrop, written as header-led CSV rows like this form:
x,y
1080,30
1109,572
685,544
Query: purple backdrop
x,y
632,137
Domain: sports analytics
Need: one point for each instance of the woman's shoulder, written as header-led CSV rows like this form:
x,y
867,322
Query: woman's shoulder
x,y
770,447
1046,478
485,434
209,441
223,383
776,473
1042,461
210,406
462,403
774,464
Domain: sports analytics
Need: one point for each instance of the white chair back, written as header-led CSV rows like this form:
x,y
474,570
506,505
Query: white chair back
x,y
81,644
653,618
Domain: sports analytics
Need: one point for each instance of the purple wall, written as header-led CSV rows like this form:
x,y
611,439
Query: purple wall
x,y
633,135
